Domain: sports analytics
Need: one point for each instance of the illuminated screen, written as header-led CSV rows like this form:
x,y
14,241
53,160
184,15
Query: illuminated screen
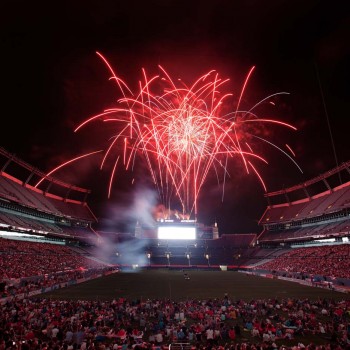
x,y
176,232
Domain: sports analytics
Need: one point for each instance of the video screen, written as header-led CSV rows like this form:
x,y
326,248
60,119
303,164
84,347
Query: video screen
x,y
176,232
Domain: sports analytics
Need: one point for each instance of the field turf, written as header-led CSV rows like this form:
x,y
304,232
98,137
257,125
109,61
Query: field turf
x,y
171,284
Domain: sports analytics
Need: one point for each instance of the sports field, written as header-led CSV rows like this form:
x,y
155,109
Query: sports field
x,y
171,284
201,285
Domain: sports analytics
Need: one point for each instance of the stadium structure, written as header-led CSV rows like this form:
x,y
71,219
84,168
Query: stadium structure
x,y
311,212
296,222
58,213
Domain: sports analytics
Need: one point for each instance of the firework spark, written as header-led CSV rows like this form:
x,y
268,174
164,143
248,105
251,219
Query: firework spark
x,y
182,132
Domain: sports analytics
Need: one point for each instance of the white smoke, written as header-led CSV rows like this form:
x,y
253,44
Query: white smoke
x,y
130,252
117,245
143,206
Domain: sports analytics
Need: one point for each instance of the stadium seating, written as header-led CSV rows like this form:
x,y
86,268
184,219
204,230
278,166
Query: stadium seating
x,y
321,215
331,261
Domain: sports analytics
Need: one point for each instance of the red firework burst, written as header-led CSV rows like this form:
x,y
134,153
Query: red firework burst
x,y
183,133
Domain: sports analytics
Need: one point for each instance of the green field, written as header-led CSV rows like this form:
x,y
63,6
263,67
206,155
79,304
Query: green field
x,y
171,284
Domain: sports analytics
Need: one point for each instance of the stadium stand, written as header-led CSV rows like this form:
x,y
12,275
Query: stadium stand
x,y
228,250
321,212
331,261
24,208
38,230
306,228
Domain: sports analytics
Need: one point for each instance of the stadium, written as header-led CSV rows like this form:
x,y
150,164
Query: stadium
x,y
175,283
175,175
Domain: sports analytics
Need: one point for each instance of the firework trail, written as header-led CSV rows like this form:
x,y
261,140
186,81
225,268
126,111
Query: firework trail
x,y
182,132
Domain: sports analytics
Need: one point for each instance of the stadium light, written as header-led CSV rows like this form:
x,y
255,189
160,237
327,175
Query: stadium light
x,y
188,256
167,254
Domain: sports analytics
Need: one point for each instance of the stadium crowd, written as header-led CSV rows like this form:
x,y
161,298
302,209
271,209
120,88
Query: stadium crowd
x,y
331,261
28,266
20,259
215,324
33,323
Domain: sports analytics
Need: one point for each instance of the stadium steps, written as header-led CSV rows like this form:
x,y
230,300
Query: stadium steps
x,y
88,255
268,257
98,260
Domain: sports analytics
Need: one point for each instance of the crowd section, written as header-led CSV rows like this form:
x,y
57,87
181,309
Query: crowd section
x,y
34,323
330,261
27,266
26,259
214,324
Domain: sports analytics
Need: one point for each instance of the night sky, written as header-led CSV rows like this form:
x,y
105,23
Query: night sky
x,y
52,80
